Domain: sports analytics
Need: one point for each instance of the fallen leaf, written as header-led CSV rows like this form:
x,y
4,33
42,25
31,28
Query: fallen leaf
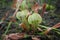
x,y
35,38
14,36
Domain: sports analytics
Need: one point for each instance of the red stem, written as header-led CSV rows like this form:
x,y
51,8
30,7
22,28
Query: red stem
x,y
43,9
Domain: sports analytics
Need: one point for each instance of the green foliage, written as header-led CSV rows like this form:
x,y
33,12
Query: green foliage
x,y
49,7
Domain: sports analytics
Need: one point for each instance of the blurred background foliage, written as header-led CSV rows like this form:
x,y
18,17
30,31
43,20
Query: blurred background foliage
x,y
4,3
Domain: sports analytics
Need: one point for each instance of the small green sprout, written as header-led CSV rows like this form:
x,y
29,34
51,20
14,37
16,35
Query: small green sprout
x,y
22,14
35,18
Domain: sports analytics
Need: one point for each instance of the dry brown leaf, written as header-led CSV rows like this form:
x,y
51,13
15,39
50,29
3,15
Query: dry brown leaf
x,y
5,37
23,26
14,36
35,38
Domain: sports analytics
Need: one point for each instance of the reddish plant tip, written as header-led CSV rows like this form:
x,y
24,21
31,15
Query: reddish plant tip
x,y
14,4
35,7
23,26
43,9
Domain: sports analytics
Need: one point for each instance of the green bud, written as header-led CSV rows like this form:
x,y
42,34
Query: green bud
x,y
35,18
22,14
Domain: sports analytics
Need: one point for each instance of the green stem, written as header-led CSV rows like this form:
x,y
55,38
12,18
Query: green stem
x,y
7,28
57,30
43,26
49,27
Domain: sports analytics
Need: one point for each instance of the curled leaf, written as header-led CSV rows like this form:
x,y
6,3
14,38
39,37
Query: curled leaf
x,y
34,18
22,14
